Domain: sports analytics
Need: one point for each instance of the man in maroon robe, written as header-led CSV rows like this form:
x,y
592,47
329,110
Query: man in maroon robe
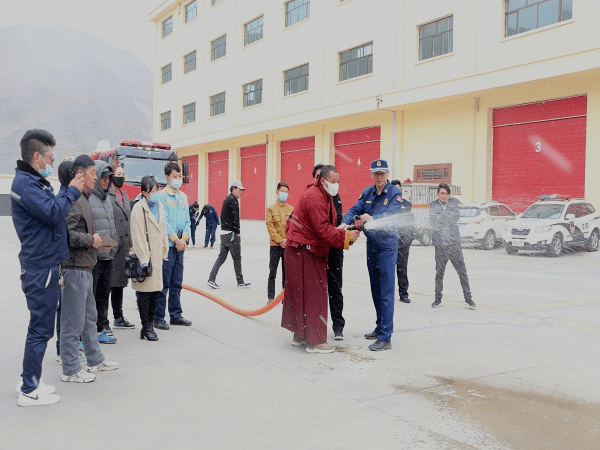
x,y
311,230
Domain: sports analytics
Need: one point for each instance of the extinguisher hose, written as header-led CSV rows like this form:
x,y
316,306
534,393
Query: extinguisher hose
x,y
233,308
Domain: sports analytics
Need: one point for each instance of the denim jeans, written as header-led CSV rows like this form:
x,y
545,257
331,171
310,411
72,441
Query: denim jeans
x,y
172,272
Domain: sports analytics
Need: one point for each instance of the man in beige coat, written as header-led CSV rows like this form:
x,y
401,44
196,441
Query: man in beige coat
x,y
151,245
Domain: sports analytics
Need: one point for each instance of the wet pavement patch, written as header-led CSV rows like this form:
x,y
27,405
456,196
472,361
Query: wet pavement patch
x,y
349,351
520,419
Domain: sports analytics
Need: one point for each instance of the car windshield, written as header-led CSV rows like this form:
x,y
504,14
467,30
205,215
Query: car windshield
x,y
137,168
541,211
468,211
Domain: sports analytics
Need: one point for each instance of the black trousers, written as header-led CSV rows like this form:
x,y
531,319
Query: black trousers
x,y
452,253
101,274
147,305
230,243
116,300
334,288
402,269
275,254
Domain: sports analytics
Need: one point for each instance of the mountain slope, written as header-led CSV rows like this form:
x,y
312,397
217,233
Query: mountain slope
x,y
74,85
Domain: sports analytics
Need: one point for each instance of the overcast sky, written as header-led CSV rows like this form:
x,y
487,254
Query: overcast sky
x,y
121,23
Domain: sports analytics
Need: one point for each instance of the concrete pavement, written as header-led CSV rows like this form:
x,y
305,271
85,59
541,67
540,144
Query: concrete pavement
x,y
519,371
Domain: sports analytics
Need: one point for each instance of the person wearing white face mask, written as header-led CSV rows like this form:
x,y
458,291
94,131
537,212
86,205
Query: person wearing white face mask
x,y
176,207
277,216
310,233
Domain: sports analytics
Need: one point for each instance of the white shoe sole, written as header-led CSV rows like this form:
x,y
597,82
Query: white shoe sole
x,y
298,343
318,350
76,379
214,286
42,399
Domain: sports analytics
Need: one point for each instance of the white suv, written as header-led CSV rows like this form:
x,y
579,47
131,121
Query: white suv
x,y
551,223
484,222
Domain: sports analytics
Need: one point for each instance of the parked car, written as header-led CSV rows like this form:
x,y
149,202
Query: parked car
x,y
552,223
484,223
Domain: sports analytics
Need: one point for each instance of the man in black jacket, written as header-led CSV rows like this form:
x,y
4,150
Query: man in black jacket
x,y
443,216
230,237
405,238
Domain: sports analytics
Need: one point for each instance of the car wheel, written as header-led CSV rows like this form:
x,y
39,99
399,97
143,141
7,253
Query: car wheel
x,y
592,243
489,240
555,247
425,238
510,249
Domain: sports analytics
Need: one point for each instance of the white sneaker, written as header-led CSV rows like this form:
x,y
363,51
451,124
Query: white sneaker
x,y
213,284
103,366
320,348
80,377
42,386
38,397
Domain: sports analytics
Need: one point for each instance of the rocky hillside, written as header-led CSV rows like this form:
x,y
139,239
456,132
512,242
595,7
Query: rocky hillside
x,y
74,85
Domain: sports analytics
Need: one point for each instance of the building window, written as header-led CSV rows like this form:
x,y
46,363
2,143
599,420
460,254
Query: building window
x,y
433,173
189,113
214,2
217,104
167,73
167,26
356,62
165,121
526,15
253,93
253,30
191,11
436,38
296,11
189,62
295,80
218,48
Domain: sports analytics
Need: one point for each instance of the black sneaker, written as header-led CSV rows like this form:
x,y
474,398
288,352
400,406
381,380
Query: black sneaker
x,y
244,284
161,325
405,299
122,322
213,284
380,345
372,336
470,302
436,304
107,330
338,335
180,321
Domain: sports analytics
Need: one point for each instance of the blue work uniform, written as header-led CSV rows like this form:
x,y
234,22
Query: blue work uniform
x,y
382,252
39,220
212,221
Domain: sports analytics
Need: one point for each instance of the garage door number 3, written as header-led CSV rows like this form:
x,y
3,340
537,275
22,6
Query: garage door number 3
x,y
538,147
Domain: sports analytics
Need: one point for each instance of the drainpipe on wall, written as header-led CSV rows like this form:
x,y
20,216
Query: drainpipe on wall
x,y
379,100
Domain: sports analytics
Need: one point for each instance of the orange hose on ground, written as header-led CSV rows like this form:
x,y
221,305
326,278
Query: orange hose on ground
x,y
235,309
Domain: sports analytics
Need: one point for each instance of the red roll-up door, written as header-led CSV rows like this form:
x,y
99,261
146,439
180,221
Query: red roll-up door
x,y
354,151
539,149
297,162
218,174
254,180
191,189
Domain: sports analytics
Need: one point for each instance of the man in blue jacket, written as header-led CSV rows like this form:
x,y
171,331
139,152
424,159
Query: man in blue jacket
x,y
379,200
443,216
39,220
177,212
212,221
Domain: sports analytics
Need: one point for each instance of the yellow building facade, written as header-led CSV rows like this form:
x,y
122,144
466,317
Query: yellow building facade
x,y
432,96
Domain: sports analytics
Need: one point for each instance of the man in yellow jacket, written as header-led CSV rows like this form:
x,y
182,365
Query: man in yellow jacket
x,y
277,216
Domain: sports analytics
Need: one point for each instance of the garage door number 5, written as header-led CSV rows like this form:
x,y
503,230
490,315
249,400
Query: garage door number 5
x,y
538,147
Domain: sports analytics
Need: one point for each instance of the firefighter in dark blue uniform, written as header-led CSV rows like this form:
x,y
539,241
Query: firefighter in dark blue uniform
x,y
376,201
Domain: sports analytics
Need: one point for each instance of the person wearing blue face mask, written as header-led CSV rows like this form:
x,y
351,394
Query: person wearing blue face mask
x,y
39,219
177,214
150,243
277,216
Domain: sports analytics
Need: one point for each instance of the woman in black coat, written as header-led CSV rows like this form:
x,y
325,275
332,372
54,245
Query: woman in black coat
x,y
122,212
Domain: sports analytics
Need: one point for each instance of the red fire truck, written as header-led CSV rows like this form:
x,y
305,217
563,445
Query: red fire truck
x,y
140,159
